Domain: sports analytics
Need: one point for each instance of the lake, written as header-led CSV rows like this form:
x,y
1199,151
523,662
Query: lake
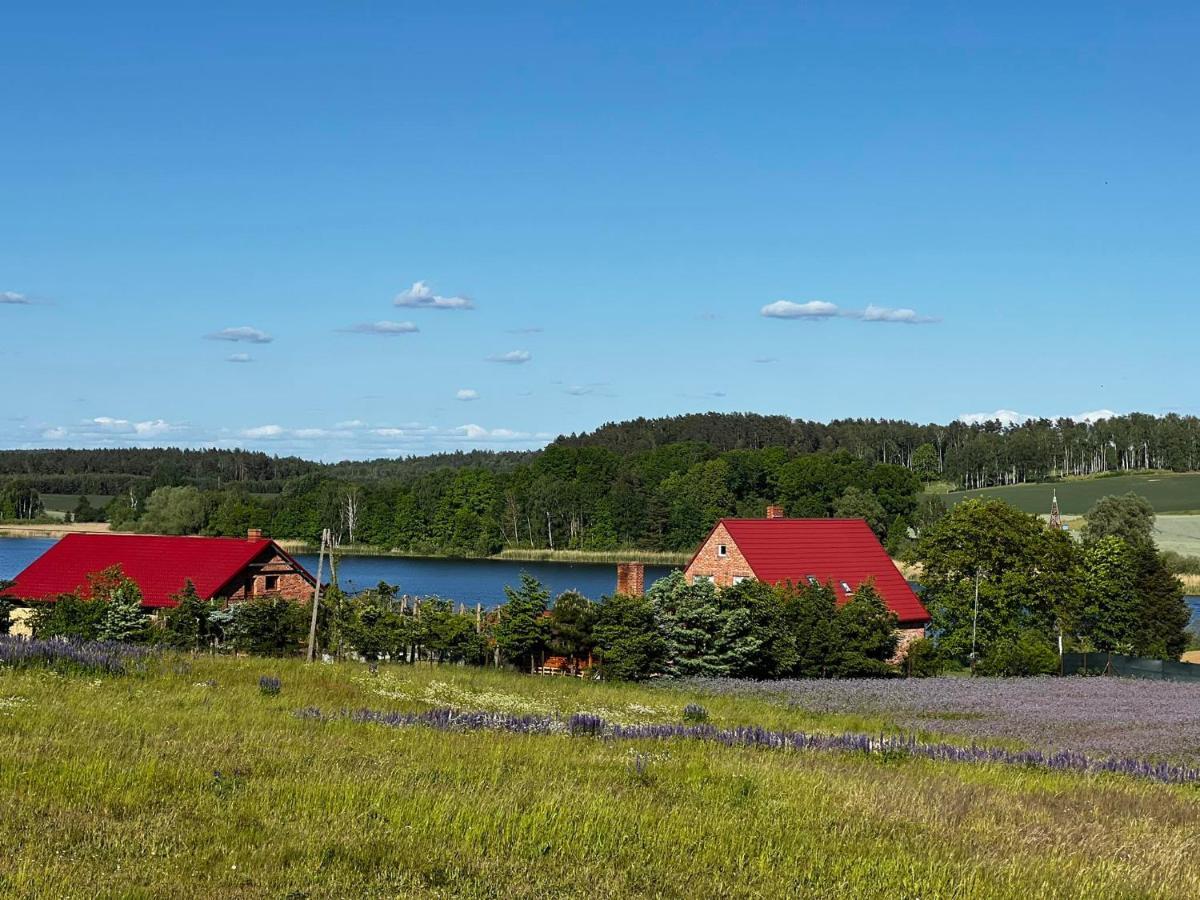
x,y
462,580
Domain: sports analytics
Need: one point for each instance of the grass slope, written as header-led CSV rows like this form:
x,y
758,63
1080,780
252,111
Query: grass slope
x,y
189,783
1167,492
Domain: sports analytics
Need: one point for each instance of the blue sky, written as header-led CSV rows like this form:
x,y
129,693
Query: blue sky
x,y
950,210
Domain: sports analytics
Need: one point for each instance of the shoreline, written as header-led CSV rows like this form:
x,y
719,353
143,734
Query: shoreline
x,y
1191,583
57,530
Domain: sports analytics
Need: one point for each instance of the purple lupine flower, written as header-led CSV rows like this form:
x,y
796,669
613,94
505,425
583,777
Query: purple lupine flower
x,y
586,725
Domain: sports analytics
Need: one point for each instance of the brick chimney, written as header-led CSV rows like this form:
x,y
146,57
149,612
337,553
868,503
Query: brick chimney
x,y
631,579
254,534
774,512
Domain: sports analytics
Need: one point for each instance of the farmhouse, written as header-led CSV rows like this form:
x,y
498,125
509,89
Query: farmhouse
x,y
843,553
229,568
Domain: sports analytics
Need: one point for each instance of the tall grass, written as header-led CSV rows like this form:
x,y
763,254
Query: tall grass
x,y
193,783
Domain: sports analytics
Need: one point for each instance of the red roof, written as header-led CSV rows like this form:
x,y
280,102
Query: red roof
x,y
159,564
829,550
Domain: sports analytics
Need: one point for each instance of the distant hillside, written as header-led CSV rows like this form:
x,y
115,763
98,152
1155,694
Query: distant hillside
x,y
115,470
1168,492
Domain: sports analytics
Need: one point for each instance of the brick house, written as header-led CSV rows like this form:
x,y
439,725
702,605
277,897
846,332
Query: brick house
x,y
844,553
225,568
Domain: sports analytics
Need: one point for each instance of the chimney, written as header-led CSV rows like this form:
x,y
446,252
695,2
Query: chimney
x,y
254,534
631,579
774,512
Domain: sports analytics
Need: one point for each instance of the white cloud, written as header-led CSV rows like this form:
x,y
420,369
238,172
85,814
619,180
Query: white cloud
x,y
241,333
12,297
239,358
1003,416
532,329
813,309
262,431
1095,415
479,433
152,428
1010,417
822,309
884,314
762,360
420,295
467,394
351,439
514,357
388,328
107,429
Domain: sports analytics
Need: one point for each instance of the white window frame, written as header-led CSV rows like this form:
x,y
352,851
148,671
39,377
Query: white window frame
x,y
722,550
707,579
738,579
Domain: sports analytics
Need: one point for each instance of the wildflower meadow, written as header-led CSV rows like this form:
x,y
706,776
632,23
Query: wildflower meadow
x,y
198,776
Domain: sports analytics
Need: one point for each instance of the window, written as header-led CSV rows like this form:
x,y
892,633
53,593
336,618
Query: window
x,y
702,579
738,579
812,579
846,588
722,550
271,583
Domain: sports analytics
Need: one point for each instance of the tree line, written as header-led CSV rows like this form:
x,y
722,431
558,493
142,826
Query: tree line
x,y
580,498
968,455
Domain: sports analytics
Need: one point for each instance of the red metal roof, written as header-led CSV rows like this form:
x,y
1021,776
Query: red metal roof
x,y
159,564
830,550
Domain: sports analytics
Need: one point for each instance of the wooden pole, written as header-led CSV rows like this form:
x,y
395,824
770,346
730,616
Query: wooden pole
x,y
312,625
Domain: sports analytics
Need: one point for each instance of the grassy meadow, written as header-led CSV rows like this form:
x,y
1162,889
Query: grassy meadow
x,y
190,782
58,505
1168,492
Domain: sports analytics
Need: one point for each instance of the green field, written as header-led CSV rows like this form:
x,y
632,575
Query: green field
x,y
63,503
1168,492
191,783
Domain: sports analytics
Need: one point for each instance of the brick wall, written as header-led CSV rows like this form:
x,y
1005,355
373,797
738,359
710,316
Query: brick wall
x,y
289,583
723,569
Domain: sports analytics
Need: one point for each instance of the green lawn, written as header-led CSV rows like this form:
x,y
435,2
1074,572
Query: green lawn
x,y
1167,492
59,504
190,783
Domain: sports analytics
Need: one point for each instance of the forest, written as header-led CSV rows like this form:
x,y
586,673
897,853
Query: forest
x,y
655,485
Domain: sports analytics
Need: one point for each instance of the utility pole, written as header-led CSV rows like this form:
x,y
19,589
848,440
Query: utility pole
x,y
312,625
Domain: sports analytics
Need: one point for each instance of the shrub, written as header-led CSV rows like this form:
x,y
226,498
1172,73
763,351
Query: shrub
x,y
69,616
188,625
1029,654
627,639
1179,564
269,685
268,626
924,659
694,712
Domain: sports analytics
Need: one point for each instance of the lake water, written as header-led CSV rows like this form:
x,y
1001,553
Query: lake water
x,y
462,580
